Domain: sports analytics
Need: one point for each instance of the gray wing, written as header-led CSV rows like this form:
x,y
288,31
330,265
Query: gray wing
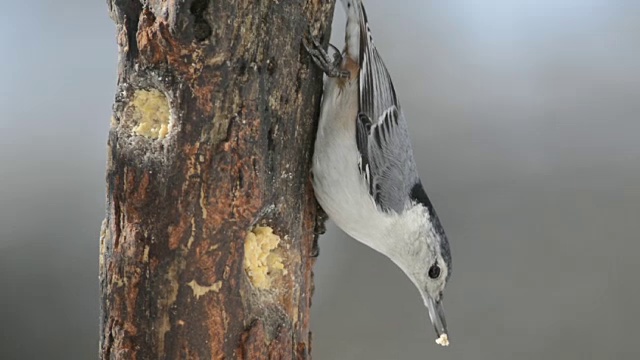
x,y
382,136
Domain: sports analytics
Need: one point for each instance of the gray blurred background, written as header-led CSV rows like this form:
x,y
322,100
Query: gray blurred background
x,y
525,122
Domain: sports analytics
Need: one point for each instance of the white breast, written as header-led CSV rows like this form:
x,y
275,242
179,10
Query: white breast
x,y
338,184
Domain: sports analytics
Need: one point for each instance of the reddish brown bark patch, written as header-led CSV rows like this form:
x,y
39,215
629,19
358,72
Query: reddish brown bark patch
x,y
243,98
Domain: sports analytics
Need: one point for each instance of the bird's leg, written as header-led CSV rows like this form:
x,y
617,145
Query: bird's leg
x,y
337,56
329,65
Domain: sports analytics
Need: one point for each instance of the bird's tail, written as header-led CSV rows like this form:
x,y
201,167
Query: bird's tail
x,y
357,35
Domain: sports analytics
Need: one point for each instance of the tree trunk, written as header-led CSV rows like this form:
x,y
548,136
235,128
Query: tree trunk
x,y
207,248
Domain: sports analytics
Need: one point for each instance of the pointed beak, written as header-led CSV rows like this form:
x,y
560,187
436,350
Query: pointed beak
x,y
436,313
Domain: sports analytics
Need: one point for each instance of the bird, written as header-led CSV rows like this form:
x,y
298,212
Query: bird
x,y
363,169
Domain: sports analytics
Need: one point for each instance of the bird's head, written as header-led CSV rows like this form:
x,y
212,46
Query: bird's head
x,y
424,255
431,281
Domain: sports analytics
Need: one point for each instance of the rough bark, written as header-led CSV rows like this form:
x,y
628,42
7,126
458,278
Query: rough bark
x,y
207,248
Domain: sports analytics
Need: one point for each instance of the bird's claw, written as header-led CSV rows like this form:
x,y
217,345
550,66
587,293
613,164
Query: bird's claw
x,y
329,65
318,229
321,219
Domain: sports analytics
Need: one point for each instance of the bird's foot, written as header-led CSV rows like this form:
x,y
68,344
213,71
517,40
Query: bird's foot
x,y
319,229
329,65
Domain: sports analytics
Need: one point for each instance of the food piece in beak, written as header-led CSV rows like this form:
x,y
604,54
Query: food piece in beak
x,y
436,313
443,340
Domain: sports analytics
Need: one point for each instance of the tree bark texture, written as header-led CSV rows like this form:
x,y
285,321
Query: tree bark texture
x,y
207,248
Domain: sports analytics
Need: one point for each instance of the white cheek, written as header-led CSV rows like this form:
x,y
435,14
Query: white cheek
x,y
436,286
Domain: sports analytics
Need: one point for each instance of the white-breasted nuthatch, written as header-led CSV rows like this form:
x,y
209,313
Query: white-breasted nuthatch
x,y
364,173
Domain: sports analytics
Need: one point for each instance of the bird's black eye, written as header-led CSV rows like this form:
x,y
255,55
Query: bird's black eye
x,y
434,271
